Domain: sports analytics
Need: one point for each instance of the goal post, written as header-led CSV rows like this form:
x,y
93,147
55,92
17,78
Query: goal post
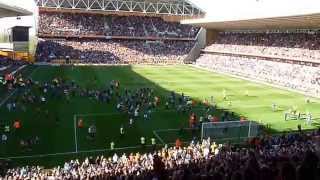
x,y
230,130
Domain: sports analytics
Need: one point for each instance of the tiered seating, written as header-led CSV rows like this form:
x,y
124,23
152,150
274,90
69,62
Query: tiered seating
x,y
296,45
288,59
292,157
71,24
294,76
132,26
113,39
115,51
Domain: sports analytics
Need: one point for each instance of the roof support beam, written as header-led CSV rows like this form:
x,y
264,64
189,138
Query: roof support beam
x,y
166,8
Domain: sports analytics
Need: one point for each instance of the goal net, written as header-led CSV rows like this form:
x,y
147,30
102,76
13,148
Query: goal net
x,y
230,130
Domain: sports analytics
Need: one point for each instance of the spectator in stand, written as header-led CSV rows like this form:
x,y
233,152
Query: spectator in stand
x,y
295,76
115,51
71,24
289,45
277,157
112,51
68,24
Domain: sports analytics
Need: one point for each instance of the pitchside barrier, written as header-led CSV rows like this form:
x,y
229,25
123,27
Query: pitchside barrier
x,y
230,130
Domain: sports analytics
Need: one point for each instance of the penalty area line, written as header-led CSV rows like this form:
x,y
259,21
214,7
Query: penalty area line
x,y
160,139
75,132
167,130
73,152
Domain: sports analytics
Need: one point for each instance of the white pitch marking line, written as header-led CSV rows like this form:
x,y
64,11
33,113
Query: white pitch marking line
x,y
75,132
160,139
67,153
164,130
13,92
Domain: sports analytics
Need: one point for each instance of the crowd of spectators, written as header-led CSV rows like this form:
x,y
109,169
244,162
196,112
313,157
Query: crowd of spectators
x,y
71,24
114,51
133,26
295,76
286,157
295,45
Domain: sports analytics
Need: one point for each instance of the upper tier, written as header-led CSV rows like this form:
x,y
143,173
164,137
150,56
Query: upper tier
x,y
68,24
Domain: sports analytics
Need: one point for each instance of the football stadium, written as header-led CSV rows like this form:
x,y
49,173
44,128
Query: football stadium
x,y
158,89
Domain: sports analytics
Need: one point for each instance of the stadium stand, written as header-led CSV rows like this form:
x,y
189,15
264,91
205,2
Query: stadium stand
x,y
115,51
287,59
291,156
293,76
294,45
142,39
67,24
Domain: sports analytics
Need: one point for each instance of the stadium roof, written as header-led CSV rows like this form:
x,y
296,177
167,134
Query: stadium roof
x,y
306,21
12,11
166,7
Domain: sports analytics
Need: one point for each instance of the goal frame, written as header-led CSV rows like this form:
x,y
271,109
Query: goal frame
x,y
227,122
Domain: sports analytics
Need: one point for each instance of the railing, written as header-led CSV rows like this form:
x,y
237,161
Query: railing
x,y
63,36
198,46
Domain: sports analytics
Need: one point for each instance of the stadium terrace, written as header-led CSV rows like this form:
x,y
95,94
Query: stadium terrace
x,y
153,90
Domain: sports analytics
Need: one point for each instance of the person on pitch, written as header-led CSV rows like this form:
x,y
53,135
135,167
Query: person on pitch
x,y
17,124
192,120
309,118
286,116
212,99
117,84
224,94
247,93
143,141
136,112
131,121
230,103
80,123
167,105
4,138
307,100
156,101
92,130
153,143
112,146
121,131
6,129
274,107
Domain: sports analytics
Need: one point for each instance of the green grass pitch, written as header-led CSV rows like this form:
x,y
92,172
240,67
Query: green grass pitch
x,y
57,139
